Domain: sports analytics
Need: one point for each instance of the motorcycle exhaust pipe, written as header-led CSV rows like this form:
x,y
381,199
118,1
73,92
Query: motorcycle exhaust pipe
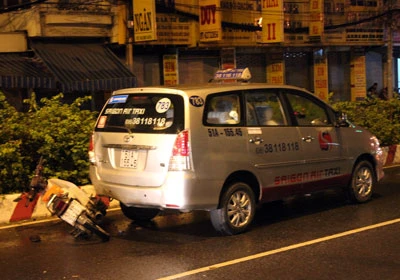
x,y
98,216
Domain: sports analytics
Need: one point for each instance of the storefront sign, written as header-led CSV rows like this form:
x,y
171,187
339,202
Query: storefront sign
x,y
358,77
174,30
210,20
170,69
316,20
275,69
144,20
272,21
321,75
364,34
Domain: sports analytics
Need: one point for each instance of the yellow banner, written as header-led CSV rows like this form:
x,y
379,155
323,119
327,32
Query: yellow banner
x,y
321,76
122,27
357,75
272,21
316,26
170,69
144,20
276,69
210,20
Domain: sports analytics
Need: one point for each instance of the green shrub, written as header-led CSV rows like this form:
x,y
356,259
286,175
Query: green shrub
x,y
380,117
59,132
13,165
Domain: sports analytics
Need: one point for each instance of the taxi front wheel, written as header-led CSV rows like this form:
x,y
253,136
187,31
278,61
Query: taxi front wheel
x,y
362,182
236,210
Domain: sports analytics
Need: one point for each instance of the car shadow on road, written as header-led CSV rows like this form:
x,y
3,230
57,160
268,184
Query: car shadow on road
x,y
180,228
302,205
167,227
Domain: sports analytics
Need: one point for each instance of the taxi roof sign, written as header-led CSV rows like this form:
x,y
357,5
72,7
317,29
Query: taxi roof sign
x,y
233,74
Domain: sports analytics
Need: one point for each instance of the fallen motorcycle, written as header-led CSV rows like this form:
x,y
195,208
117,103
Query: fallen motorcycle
x,y
70,203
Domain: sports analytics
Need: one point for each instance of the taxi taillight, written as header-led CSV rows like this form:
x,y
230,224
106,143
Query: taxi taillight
x,y
92,159
181,155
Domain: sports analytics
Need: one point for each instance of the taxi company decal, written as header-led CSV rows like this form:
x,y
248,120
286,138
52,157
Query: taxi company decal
x,y
325,141
196,101
306,176
118,99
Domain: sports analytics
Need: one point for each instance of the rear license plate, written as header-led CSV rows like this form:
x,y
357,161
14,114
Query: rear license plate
x,y
129,159
72,213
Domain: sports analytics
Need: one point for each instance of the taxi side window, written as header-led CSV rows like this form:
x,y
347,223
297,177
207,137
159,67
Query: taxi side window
x,y
307,112
263,108
223,110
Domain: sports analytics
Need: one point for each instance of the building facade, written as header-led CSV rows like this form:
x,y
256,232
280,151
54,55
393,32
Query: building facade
x,y
334,48
51,47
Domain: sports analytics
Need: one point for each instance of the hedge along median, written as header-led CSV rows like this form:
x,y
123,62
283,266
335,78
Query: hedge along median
x,y
380,117
50,128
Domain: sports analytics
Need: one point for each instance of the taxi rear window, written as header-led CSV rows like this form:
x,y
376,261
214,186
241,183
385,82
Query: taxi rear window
x,y
142,113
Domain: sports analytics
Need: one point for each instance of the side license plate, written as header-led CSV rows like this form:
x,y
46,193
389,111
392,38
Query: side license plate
x,y
72,213
129,159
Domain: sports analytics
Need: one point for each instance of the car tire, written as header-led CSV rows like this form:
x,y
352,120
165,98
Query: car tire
x,y
362,182
139,214
236,210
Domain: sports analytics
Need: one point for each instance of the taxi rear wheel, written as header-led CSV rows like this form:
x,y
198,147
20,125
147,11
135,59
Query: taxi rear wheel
x,y
236,210
362,182
139,214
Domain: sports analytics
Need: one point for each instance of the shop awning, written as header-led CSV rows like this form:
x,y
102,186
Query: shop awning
x,y
84,67
20,70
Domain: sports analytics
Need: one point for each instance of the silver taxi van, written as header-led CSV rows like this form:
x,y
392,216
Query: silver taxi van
x,y
224,148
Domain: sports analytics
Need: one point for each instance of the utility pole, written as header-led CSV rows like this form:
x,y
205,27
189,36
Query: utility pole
x,y
129,47
389,25
125,35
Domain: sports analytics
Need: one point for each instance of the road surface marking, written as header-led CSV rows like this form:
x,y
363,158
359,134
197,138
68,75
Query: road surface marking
x,y
280,250
28,223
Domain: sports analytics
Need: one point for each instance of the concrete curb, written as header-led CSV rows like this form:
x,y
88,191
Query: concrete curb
x,y
391,155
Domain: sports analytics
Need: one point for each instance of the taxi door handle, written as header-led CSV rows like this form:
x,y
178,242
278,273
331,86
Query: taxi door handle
x,y
308,139
257,140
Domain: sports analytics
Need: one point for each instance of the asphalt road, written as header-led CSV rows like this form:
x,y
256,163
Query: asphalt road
x,y
310,237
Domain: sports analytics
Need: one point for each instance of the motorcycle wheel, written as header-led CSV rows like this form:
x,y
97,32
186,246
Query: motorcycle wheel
x,y
92,227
